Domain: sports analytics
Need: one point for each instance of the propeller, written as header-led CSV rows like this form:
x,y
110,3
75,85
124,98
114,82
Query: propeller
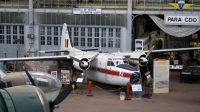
x,y
143,59
149,52
93,57
29,76
82,62
85,62
60,97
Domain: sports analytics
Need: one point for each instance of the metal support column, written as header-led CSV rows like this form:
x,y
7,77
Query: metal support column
x,y
129,29
31,48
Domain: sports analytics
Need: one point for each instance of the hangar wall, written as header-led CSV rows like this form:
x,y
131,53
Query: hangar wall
x,y
116,19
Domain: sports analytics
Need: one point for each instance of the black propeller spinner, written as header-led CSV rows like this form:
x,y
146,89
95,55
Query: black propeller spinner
x,y
59,98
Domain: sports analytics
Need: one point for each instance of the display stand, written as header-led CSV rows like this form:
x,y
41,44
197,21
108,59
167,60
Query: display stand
x,y
161,76
136,89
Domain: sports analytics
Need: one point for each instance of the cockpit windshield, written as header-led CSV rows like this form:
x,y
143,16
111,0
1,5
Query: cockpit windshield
x,y
55,84
42,83
43,80
116,61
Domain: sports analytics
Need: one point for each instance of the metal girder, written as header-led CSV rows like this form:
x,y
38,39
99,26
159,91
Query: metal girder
x,y
104,11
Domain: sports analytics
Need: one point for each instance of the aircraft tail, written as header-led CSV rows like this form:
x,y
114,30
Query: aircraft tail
x,y
65,39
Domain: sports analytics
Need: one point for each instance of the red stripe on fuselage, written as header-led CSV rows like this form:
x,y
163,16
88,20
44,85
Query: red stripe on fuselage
x,y
111,72
107,71
128,75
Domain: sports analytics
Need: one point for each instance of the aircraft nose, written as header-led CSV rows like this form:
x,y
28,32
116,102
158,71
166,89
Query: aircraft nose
x,y
135,77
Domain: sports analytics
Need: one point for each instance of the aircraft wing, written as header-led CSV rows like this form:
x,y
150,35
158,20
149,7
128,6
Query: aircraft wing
x,y
90,57
89,49
129,53
67,50
53,51
174,50
42,58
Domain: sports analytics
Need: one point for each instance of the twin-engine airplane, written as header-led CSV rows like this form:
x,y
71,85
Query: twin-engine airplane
x,y
108,68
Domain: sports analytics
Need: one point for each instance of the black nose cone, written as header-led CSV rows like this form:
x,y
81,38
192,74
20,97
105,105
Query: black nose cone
x,y
135,77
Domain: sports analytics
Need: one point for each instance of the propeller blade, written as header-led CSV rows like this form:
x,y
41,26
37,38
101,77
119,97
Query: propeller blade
x,y
30,78
75,59
93,57
63,95
149,52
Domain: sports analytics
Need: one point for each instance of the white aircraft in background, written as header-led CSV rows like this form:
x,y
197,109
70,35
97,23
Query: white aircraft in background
x,y
108,68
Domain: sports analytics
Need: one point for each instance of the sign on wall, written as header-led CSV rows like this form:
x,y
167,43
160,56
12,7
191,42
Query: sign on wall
x,y
65,76
183,19
86,11
54,73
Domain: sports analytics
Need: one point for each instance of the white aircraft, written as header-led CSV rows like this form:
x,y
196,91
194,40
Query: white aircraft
x,y
108,68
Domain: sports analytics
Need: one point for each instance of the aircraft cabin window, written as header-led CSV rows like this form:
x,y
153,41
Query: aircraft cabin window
x,y
110,63
98,69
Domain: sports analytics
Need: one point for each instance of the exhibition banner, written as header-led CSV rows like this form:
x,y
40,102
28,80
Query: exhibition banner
x,y
86,11
161,76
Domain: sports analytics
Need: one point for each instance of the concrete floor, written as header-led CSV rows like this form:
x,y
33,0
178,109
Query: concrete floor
x,y
182,97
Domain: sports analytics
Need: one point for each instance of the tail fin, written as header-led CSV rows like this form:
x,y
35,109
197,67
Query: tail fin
x,y
65,39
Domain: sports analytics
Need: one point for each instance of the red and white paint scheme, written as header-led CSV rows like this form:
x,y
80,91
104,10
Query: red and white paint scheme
x,y
109,68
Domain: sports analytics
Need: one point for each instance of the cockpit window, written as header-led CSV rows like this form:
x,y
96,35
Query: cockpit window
x,y
42,83
117,61
110,63
125,61
127,67
55,84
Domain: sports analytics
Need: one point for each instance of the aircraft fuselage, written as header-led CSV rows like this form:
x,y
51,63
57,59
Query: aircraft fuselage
x,y
111,69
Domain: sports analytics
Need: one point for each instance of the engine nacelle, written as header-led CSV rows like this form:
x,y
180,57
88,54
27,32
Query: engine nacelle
x,y
138,58
83,65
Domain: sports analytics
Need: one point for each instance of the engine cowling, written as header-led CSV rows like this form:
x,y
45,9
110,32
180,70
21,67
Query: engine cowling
x,y
138,58
82,65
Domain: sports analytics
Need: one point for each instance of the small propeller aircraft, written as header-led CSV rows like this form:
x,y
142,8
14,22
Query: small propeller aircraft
x,y
108,68
31,92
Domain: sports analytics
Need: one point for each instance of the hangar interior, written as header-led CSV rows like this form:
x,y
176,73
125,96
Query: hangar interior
x,y
116,28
